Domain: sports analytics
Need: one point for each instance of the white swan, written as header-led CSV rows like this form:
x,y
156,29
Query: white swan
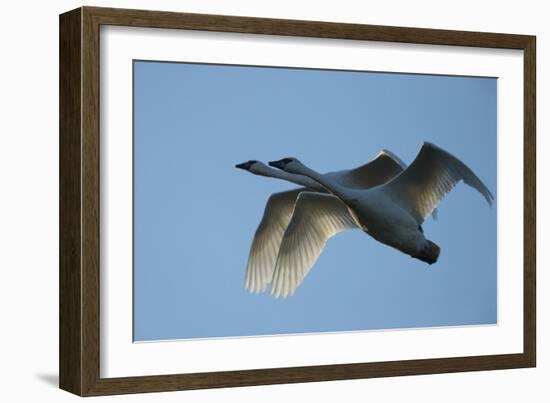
x,y
280,206
392,213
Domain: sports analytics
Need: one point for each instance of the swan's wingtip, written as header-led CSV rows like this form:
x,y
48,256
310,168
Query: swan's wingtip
x,y
490,198
254,289
278,294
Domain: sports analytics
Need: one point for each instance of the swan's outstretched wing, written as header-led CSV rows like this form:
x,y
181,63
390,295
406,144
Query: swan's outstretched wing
x,y
381,169
316,218
432,174
267,239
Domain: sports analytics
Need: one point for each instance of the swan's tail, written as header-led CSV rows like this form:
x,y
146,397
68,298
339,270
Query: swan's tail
x,y
429,254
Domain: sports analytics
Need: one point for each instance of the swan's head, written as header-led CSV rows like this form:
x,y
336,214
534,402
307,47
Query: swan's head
x,y
292,165
251,166
256,167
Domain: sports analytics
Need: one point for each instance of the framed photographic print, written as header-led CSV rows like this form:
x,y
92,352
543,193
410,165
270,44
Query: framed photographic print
x,y
249,201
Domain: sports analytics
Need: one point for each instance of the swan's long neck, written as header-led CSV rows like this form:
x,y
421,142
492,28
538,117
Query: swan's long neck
x,y
327,183
297,179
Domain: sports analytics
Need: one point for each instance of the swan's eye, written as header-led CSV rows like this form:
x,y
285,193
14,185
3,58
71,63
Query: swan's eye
x,y
287,160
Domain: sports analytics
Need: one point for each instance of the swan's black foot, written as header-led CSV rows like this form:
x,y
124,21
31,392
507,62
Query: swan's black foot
x,y
429,254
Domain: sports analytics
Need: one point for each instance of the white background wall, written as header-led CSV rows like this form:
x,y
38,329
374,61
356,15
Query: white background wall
x,y
29,198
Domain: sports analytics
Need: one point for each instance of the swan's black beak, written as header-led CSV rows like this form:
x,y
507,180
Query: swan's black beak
x,y
244,165
278,164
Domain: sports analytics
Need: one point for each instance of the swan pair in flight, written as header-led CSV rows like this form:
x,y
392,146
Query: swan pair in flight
x,y
386,199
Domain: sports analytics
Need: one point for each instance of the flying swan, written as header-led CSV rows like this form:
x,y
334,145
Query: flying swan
x,y
280,207
392,213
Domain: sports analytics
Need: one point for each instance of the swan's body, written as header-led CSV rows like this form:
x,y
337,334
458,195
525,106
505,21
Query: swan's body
x,y
392,212
280,208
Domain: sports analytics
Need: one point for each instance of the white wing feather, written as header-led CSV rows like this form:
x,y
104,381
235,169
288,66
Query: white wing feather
x,y
316,218
432,175
383,168
267,239
379,170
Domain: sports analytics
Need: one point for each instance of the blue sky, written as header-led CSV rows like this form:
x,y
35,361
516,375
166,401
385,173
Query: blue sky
x,y
195,214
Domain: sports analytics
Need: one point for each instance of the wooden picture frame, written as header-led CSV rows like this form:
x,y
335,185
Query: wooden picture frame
x,y
79,280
